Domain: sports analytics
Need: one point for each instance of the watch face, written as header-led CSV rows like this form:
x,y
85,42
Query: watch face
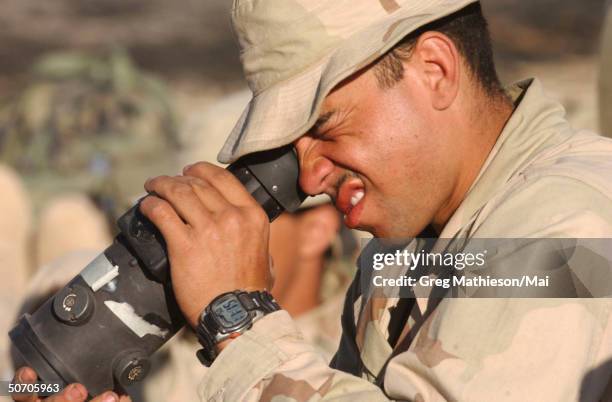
x,y
229,311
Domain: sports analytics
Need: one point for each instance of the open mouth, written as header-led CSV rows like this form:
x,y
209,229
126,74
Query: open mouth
x,y
350,200
357,197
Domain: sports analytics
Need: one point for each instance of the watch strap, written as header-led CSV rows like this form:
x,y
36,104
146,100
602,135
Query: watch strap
x,y
207,328
258,300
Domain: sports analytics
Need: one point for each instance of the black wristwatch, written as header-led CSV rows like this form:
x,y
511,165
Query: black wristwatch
x,y
228,316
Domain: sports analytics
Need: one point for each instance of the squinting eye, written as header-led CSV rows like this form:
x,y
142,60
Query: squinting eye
x,y
321,135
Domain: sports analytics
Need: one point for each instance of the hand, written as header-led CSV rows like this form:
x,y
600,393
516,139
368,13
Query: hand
x,y
72,393
216,234
317,229
298,243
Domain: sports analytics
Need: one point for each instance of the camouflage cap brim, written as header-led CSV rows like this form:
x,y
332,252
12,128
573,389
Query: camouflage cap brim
x,y
284,111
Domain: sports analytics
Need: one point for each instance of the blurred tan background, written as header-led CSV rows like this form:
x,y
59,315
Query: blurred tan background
x,y
98,95
187,49
189,43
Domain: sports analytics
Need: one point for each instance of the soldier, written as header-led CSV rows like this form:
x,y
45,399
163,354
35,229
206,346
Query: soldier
x,y
87,228
312,264
396,112
312,261
308,283
14,264
70,233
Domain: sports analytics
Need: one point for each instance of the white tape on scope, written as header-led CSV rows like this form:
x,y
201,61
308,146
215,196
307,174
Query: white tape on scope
x,y
99,272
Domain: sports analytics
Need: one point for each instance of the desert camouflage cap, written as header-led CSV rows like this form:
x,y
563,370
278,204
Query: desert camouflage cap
x,y
294,52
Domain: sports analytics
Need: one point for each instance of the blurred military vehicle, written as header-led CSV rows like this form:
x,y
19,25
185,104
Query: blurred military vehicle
x,y
95,124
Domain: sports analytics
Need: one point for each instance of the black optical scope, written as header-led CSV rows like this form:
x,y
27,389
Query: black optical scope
x,y
100,329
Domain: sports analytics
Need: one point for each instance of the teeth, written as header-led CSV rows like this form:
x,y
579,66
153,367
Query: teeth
x,y
356,198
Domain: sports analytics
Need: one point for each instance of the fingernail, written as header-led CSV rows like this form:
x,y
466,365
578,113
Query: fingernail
x,y
186,168
110,397
75,393
22,377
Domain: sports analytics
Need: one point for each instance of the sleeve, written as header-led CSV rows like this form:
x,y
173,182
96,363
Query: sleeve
x,y
272,361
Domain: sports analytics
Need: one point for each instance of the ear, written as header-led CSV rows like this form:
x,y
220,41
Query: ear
x,y
439,63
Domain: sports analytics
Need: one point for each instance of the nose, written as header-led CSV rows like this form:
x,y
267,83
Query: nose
x,y
315,169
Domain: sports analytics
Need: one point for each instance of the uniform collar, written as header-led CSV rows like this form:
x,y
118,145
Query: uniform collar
x,y
537,123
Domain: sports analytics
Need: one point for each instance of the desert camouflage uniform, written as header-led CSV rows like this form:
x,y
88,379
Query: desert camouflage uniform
x,y
542,179
605,75
176,372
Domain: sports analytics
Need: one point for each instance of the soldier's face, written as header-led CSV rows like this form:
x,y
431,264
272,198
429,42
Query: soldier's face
x,y
386,157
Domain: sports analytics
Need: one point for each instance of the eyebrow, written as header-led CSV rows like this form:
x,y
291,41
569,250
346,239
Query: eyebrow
x,y
321,122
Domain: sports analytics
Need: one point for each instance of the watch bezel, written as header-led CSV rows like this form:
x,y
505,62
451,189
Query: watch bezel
x,y
220,325
211,331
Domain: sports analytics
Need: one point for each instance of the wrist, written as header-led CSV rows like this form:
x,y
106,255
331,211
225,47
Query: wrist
x,y
194,317
228,316
223,344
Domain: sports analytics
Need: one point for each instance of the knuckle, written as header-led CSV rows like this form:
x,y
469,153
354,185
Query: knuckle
x,y
231,218
198,184
258,215
203,234
161,209
195,166
155,207
146,204
198,169
155,182
217,173
181,189
234,217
